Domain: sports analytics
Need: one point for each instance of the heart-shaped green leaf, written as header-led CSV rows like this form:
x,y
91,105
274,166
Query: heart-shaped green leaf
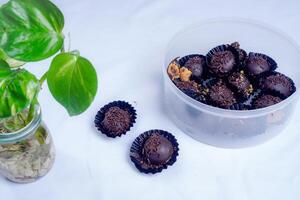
x,y
30,30
72,80
17,90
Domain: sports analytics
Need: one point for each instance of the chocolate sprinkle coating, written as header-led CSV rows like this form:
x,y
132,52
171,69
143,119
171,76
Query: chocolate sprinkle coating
x,y
196,65
222,60
221,96
157,149
190,88
258,64
153,151
240,83
279,83
265,100
115,119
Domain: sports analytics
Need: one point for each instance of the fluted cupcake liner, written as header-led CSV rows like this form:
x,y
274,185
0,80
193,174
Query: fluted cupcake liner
x,y
240,106
136,154
242,54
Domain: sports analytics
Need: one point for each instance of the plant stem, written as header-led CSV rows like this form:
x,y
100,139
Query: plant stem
x,y
43,78
34,102
62,49
69,37
31,110
75,52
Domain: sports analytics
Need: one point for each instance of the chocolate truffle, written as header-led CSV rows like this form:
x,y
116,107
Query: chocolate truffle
x,y
242,53
154,151
222,60
258,64
157,149
221,96
196,65
190,88
265,100
240,83
115,118
279,83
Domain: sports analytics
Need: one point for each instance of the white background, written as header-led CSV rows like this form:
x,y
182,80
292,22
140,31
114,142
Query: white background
x,y
125,40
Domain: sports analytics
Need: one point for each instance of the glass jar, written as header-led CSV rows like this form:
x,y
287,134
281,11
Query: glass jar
x,y
28,153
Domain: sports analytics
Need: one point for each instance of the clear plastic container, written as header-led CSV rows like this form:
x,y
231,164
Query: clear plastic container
x,y
228,128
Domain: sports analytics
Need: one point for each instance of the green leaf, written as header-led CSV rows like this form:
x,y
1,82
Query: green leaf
x,y
17,90
30,30
72,80
3,65
13,63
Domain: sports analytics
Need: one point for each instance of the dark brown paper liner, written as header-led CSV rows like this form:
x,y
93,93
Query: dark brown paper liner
x,y
240,106
242,57
101,114
184,59
141,163
242,54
